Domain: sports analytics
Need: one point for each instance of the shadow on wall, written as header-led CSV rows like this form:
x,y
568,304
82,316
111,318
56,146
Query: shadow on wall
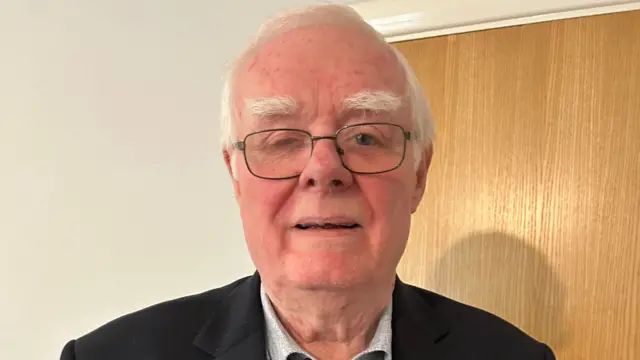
x,y
507,277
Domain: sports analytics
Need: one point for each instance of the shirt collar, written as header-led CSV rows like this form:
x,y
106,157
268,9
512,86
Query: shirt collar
x,y
280,344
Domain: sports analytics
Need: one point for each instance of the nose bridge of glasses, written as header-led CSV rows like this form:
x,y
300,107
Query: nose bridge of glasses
x,y
327,137
334,138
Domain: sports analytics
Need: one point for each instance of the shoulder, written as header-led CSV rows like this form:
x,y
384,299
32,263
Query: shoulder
x,y
480,332
167,327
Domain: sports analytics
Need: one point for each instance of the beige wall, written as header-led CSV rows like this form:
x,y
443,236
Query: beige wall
x,y
113,195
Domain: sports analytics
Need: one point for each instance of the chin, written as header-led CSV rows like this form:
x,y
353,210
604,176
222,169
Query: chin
x,y
327,272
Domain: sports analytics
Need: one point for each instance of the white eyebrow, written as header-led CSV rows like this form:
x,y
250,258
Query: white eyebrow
x,y
376,101
271,106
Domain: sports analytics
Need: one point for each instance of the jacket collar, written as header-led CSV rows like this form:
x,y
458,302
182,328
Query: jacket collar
x,y
237,330
416,325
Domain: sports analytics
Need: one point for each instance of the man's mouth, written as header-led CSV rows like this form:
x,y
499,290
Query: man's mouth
x,y
327,226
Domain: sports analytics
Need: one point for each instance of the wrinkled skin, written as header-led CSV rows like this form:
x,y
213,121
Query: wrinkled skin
x,y
319,67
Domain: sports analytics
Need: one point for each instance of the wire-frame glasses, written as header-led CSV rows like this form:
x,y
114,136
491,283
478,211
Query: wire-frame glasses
x,y
366,148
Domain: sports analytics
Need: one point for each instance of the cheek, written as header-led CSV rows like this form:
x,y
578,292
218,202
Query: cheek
x,y
388,195
261,205
389,201
262,200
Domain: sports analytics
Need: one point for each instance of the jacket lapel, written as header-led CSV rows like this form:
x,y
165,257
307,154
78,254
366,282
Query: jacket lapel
x,y
416,326
236,330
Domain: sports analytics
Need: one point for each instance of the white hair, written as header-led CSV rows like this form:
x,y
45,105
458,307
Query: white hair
x,y
271,106
375,101
314,15
371,101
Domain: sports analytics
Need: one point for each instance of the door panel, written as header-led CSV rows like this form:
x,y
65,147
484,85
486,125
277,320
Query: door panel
x,y
532,209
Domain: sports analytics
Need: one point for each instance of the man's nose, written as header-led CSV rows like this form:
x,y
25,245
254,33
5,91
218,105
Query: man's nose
x,y
324,171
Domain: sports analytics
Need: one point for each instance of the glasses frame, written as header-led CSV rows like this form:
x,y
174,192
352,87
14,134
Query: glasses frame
x,y
408,136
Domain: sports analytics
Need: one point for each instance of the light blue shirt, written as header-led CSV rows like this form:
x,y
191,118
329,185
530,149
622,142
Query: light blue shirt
x,y
280,345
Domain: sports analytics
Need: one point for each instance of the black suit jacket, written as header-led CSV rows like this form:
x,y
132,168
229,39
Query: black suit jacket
x,y
228,324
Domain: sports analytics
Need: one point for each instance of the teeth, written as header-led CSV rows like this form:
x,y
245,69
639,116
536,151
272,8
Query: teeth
x,y
326,226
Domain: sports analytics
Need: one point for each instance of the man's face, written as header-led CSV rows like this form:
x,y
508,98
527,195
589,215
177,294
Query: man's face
x,y
319,67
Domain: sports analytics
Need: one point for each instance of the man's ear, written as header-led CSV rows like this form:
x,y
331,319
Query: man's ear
x,y
421,177
228,160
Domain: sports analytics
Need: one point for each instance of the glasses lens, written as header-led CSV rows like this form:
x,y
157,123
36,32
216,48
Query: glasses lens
x,y
372,148
277,154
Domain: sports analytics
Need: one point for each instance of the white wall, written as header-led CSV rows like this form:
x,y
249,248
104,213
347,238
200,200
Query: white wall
x,y
113,195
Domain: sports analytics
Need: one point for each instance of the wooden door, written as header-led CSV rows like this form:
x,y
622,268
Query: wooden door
x,y
532,209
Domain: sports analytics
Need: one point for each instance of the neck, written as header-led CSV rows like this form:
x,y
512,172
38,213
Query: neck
x,y
328,323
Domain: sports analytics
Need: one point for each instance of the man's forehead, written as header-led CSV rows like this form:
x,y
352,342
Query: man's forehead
x,y
342,61
314,38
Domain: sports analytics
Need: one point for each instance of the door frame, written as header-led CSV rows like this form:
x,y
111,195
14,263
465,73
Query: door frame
x,y
401,20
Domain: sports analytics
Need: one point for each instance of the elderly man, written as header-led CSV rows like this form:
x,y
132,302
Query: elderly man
x,y
327,139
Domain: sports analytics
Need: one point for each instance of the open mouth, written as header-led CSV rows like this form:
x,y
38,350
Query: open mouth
x,y
326,226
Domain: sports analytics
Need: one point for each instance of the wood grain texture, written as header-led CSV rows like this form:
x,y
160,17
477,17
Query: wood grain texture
x,y
532,209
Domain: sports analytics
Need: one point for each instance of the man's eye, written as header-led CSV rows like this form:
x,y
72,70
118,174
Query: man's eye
x,y
364,139
286,143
